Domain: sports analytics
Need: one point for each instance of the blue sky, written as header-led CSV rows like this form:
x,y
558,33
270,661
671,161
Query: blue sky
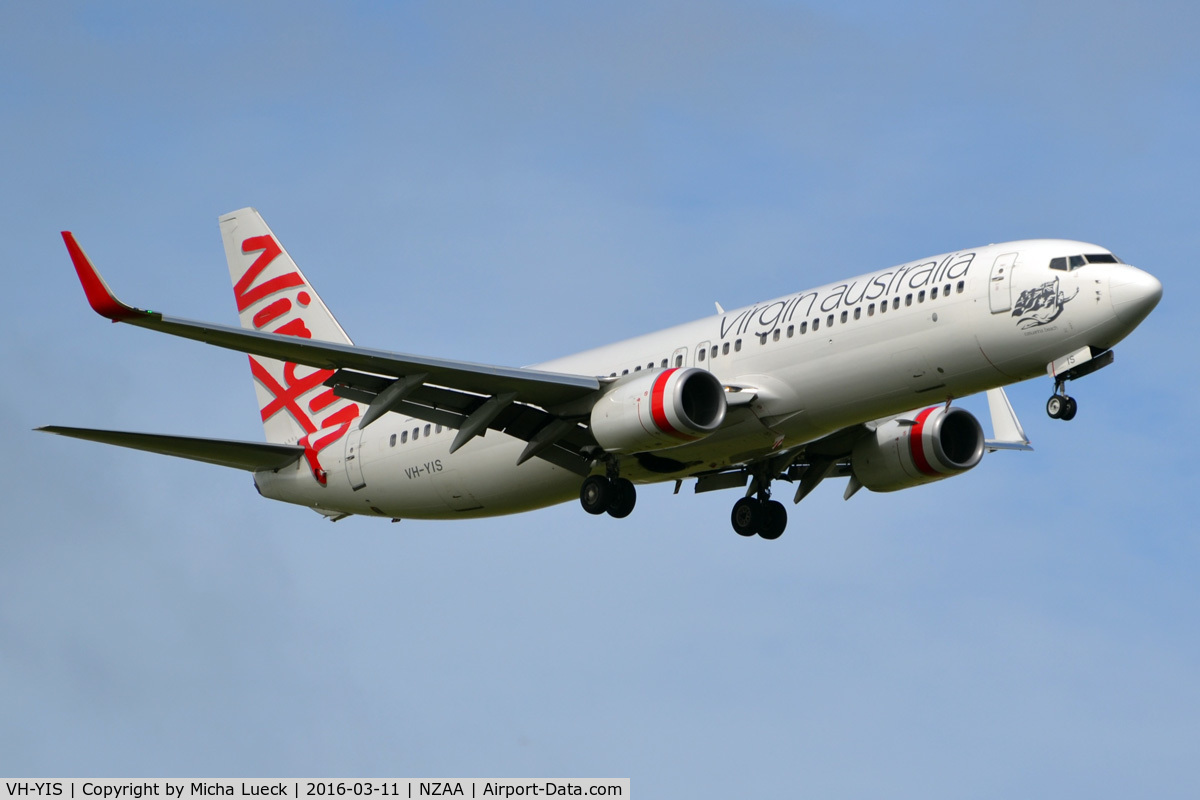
x,y
508,183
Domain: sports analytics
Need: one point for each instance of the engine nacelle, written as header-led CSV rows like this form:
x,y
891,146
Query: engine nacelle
x,y
940,443
656,409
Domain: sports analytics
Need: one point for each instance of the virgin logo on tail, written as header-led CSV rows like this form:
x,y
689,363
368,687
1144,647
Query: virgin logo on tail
x,y
297,394
247,294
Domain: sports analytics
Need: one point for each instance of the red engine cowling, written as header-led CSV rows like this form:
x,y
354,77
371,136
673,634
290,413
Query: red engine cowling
x,y
940,442
657,409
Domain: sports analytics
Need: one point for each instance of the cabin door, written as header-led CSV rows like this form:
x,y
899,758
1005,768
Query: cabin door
x,y
1000,285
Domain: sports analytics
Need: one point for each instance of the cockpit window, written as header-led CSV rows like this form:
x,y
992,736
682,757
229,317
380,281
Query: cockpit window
x,y
1075,262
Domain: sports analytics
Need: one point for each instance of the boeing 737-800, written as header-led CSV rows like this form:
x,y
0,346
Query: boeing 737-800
x,y
853,379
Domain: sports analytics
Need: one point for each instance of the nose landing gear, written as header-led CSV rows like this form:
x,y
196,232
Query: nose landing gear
x,y
1061,406
1071,367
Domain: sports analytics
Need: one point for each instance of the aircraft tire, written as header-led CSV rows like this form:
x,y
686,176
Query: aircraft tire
x,y
746,516
774,520
623,498
1070,407
595,494
1054,406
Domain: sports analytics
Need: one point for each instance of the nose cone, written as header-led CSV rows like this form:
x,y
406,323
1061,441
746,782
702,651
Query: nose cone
x,y
1134,293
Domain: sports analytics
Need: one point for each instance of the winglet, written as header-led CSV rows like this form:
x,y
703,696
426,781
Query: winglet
x,y
101,298
1006,428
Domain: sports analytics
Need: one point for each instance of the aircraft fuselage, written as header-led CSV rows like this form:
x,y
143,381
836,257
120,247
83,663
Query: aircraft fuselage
x,y
814,362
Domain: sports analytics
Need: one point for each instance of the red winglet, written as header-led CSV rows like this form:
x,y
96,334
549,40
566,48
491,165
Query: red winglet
x,y
100,297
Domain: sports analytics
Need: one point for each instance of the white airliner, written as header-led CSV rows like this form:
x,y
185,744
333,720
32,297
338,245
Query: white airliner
x,y
852,379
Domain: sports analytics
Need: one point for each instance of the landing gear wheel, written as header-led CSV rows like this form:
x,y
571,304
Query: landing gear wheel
x,y
595,494
1054,406
774,520
623,496
746,515
1060,406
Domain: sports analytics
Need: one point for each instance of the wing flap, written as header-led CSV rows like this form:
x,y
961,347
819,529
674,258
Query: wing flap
x,y
451,408
250,456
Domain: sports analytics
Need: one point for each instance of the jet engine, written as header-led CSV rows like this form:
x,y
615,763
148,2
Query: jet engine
x,y
938,443
657,409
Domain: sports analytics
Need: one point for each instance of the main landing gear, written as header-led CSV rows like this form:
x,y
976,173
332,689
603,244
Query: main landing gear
x,y
612,495
755,514
759,515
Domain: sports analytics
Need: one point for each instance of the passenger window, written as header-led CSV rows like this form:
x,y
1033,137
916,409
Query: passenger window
x,y
700,354
804,327
933,293
946,290
776,335
404,437
883,307
829,321
921,296
438,429
961,286
427,429
816,324
895,303
737,345
392,441
762,338
871,310
664,363
858,313
714,351
416,433
638,368
679,361
624,372
725,349
791,331
845,316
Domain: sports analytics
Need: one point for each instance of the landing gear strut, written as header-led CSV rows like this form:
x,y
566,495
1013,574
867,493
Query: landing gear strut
x,y
602,494
752,515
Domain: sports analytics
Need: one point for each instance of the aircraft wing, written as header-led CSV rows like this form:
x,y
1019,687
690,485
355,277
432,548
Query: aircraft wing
x,y
545,389
830,455
250,456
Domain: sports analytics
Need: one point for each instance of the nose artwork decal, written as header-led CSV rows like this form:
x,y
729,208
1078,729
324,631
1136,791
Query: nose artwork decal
x,y
1041,305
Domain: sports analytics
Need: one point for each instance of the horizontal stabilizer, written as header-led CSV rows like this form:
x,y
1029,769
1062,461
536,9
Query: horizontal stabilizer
x,y
251,456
